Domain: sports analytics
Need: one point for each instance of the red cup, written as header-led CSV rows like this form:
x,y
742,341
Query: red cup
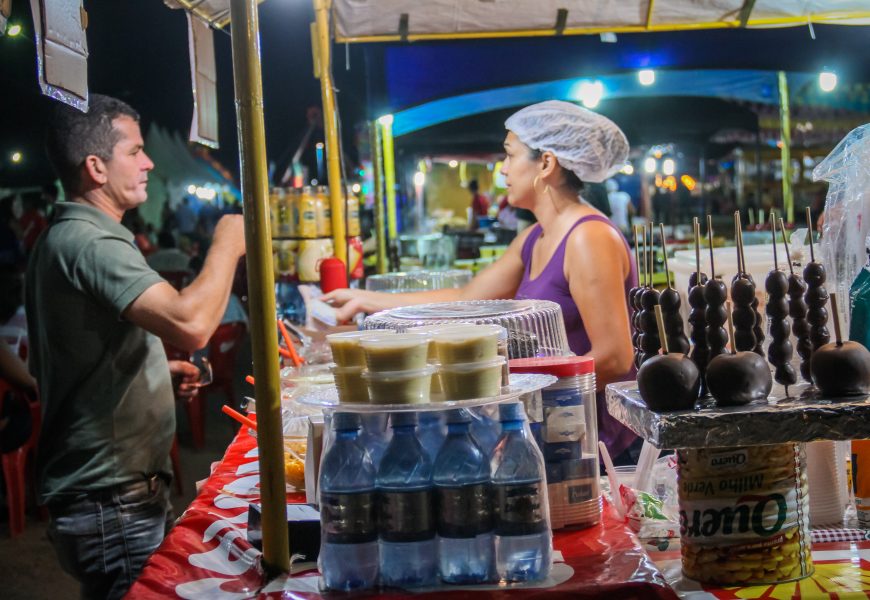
x,y
333,275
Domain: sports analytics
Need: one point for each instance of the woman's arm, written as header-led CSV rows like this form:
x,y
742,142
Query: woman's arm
x,y
499,280
596,265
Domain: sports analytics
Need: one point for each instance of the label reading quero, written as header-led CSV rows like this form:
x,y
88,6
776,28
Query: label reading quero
x,y
348,518
465,511
519,509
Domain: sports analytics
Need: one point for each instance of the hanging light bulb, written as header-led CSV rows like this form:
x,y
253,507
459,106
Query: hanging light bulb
x,y
668,166
827,81
650,165
646,76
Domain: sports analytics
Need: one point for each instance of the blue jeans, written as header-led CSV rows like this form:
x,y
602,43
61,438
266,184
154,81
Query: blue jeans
x,y
104,538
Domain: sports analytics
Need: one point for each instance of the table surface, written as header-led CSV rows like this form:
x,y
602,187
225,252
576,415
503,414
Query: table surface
x,y
207,555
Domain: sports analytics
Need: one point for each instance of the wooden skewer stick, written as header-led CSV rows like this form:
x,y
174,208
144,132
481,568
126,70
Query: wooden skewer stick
x,y
661,325
810,232
730,328
697,228
836,315
637,264
651,257
785,243
642,229
773,232
665,253
710,240
741,259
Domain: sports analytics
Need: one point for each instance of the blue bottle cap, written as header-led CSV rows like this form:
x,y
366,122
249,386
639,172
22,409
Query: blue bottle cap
x,y
343,421
403,419
512,411
459,415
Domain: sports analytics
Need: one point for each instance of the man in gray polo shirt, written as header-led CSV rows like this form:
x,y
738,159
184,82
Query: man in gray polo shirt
x,y
96,314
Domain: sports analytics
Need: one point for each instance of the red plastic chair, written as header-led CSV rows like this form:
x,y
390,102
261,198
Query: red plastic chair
x,y
223,349
15,467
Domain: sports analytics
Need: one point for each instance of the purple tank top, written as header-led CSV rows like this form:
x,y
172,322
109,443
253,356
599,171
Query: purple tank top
x,y
552,285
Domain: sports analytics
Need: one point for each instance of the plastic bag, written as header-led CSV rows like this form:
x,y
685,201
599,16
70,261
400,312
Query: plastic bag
x,y
847,212
859,303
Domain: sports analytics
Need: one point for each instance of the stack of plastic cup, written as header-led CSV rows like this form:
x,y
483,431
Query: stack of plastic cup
x,y
350,362
397,368
470,363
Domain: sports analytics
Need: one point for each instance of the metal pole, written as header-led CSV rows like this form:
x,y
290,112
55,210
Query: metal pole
x,y
261,281
377,178
390,176
785,151
330,127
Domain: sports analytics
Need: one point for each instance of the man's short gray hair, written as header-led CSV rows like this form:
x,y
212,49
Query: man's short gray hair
x,y
74,135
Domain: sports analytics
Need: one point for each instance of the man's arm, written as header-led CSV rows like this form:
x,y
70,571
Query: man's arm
x,y
188,318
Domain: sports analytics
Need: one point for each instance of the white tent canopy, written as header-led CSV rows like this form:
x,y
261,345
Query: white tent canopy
x,y
390,20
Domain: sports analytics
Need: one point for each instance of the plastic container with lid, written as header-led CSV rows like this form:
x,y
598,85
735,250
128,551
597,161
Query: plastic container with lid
x,y
535,327
463,381
570,436
468,344
346,348
399,352
409,386
350,385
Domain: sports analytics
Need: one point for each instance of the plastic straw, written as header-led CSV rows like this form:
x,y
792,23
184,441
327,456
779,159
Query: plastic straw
x,y
239,417
290,348
614,482
649,454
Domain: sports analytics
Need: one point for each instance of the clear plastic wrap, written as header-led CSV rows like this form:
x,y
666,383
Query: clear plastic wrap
x,y
847,212
418,281
803,417
535,327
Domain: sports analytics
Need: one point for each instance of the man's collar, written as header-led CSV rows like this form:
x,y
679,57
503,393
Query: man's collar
x,y
79,211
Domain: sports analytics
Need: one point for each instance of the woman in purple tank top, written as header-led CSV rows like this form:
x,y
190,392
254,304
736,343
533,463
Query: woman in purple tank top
x,y
573,256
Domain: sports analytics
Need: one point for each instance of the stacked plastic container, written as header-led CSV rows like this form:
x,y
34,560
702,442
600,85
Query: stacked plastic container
x,y
535,327
569,437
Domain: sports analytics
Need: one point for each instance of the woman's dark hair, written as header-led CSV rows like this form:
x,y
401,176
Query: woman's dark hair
x,y
570,180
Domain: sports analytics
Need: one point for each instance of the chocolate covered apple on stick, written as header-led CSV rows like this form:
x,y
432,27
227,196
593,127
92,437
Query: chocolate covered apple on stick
x,y
738,378
697,321
649,299
841,368
816,296
797,310
715,294
745,314
668,381
634,301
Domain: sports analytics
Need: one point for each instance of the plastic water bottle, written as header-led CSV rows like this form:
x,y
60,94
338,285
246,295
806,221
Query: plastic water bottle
x,y
406,523
349,538
375,435
484,428
430,432
464,500
523,540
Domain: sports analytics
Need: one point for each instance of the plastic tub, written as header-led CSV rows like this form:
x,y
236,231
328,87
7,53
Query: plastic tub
x,y
468,344
399,387
399,352
350,385
346,348
472,380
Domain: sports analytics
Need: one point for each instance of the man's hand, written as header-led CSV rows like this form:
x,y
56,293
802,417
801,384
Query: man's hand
x,y
185,377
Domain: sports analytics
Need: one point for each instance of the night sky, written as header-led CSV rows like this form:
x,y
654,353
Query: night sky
x,y
139,53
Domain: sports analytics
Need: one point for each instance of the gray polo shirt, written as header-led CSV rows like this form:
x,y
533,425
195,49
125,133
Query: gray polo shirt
x,y
107,399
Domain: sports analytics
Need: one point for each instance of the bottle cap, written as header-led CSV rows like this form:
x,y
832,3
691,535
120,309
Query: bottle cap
x,y
459,415
512,411
403,419
560,366
343,421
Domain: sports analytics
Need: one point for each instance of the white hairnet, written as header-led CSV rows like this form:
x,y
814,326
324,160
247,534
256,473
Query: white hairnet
x,y
589,144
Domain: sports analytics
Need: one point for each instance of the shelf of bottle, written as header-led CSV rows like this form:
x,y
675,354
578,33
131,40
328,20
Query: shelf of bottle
x,y
326,397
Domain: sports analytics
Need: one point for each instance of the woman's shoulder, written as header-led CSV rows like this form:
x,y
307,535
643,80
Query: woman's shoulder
x,y
595,231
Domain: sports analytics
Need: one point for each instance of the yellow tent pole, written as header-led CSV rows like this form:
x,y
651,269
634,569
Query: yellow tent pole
x,y
386,123
785,150
330,126
378,181
261,281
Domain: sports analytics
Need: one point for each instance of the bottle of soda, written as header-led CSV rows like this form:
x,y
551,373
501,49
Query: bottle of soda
x,y
523,540
406,523
375,435
430,432
464,508
349,538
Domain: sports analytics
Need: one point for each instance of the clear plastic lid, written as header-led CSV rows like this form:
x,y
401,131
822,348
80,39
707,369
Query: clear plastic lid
x,y
397,376
496,363
457,333
418,281
535,327
399,340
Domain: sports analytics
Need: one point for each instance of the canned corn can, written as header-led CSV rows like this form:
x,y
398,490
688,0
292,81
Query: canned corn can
x,y
744,514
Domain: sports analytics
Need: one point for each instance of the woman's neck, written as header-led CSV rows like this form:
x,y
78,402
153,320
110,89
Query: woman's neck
x,y
551,206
